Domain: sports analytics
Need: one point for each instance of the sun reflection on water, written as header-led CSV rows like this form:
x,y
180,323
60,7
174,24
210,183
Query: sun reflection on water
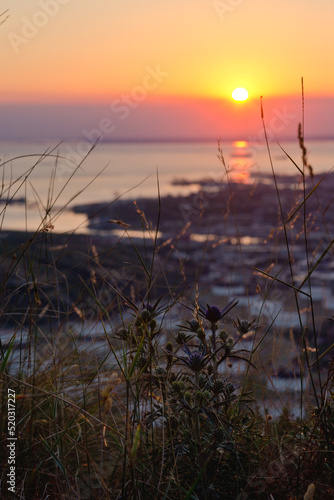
x,y
240,162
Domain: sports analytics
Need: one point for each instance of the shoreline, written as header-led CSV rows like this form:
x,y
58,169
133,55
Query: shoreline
x,y
211,241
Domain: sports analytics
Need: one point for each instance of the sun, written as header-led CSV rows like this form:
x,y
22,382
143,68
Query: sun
x,y
240,94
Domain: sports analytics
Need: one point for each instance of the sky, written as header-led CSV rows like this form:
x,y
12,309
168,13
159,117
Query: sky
x,y
164,70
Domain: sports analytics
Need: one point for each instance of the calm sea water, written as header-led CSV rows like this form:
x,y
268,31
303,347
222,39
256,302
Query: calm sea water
x,y
61,174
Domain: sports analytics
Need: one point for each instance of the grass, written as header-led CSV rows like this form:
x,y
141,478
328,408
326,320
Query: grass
x,y
123,373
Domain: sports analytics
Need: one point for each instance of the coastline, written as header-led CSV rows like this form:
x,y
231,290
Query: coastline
x,y
222,235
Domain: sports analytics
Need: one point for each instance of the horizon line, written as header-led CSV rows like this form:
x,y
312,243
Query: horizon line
x,y
165,140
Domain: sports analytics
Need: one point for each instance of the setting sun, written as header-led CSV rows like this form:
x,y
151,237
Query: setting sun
x,y
240,94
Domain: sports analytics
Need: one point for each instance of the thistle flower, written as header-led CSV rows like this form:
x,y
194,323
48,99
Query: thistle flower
x,y
148,307
213,314
194,326
169,346
181,338
169,355
188,397
244,326
223,335
147,313
218,387
229,388
202,380
178,387
196,360
229,344
200,398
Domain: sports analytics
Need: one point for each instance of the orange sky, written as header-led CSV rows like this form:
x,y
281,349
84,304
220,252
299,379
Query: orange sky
x,y
69,51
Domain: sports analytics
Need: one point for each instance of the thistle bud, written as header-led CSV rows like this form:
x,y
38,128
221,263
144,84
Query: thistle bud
x,y
169,346
178,387
229,345
200,398
181,338
229,388
145,315
153,324
218,387
194,325
187,397
223,335
201,335
202,380
123,334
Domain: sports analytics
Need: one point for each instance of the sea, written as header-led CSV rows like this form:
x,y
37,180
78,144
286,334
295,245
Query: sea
x,y
37,177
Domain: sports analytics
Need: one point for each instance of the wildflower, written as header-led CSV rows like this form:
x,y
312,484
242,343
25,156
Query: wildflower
x,y
169,355
123,334
200,398
223,335
196,360
218,387
213,314
146,320
178,387
146,315
187,397
194,325
169,346
244,326
229,388
148,307
201,335
229,344
181,338
153,324
202,380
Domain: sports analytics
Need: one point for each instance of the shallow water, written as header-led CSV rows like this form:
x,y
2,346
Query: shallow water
x,y
130,170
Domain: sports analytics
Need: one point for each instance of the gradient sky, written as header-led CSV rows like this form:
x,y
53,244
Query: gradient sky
x,y
164,69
